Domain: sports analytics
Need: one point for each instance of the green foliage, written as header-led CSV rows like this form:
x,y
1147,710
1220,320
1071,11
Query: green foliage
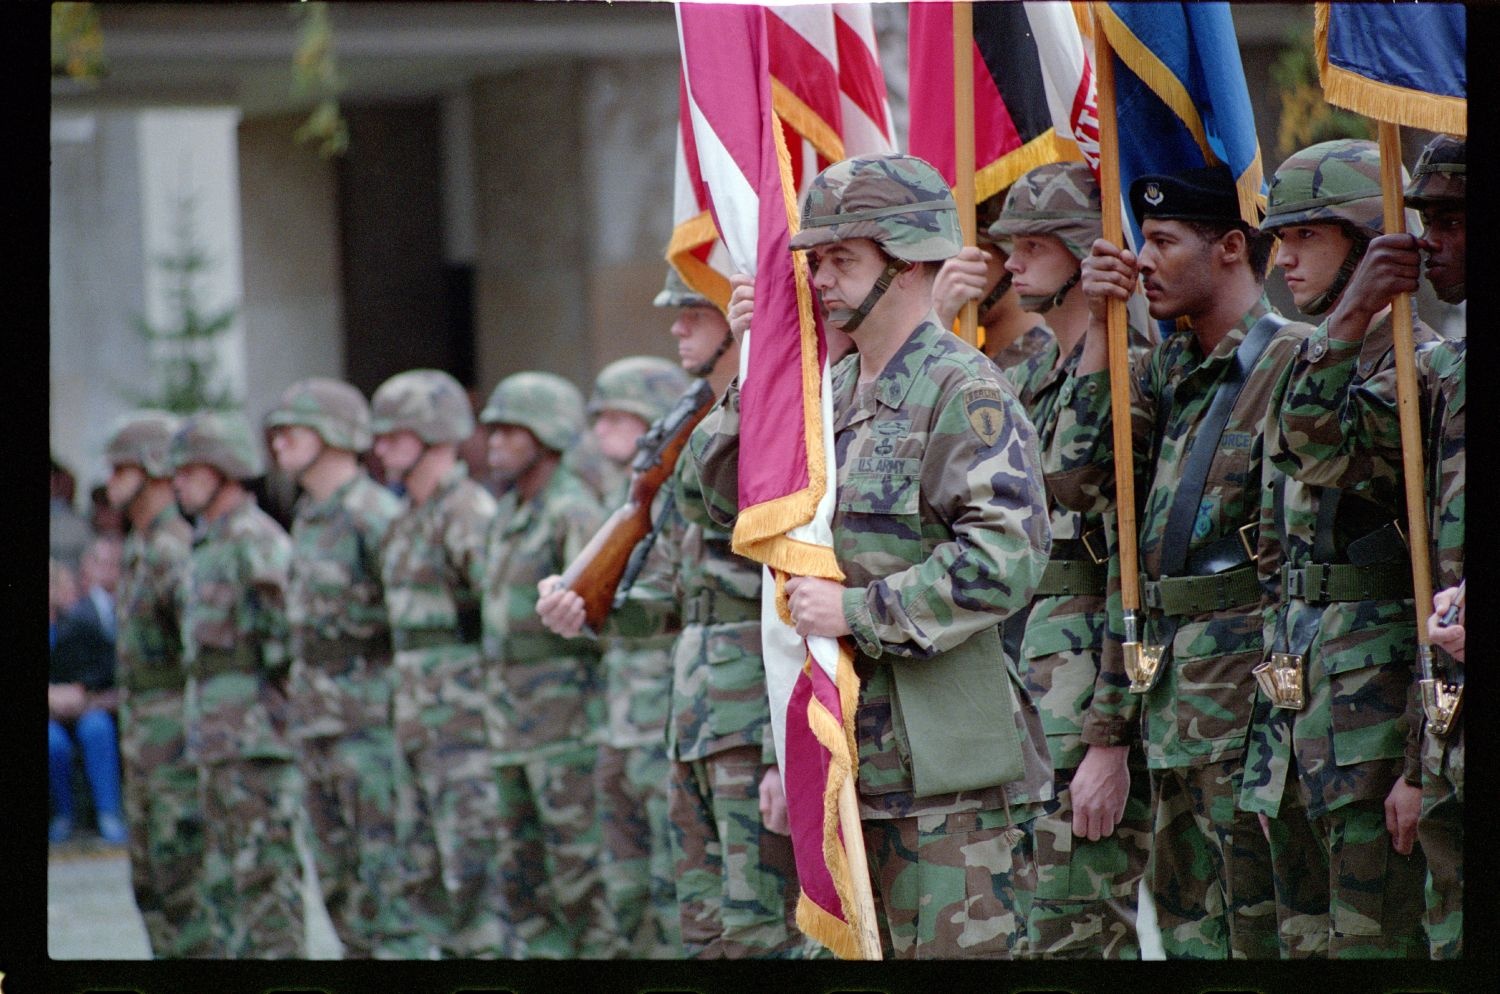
x,y
1306,118
315,73
184,353
77,41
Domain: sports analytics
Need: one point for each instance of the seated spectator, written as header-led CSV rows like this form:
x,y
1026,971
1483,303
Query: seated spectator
x,y
81,694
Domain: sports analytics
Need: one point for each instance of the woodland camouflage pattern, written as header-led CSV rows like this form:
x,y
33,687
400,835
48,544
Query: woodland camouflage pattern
x,y
221,439
546,706
335,410
428,402
898,201
235,645
341,702
161,785
1086,891
432,567
1352,739
545,404
1060,199
646,386
1341,429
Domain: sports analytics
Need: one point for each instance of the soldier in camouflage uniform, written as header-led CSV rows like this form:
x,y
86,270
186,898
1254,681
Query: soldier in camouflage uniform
x,y
1093,841
449,901
1328,765
1340,429
341,652
544,690
161,784
631,774
234,635
940,526
736,880
1210,871
1008,332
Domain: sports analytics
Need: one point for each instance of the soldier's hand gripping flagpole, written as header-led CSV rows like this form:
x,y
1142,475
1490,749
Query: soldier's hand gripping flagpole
x,y
1440,699
1138,664
963,148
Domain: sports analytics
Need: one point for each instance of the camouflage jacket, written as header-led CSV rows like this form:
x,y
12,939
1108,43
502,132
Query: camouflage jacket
x,y
941,528
694,585
1199,710
432,566
148,639
1062,649
1347,742
545,688
638,670
341,639
234,637
1037,338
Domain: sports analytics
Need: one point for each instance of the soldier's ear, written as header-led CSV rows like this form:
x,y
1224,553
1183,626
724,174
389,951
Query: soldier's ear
x,y
1231,247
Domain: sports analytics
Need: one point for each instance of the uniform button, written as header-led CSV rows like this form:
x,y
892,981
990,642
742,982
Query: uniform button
x,y
1065,395
1316,349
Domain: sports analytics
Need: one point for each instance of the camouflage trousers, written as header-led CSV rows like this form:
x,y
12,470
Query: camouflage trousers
x,y
448,902
953,886
351,805
631,790
736,880
1341,890
1085,904
162,800
252,870
1441,832
549,857
1210,867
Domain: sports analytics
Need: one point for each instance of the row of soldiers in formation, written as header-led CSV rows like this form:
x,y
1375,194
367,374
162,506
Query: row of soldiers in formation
x,y
483,778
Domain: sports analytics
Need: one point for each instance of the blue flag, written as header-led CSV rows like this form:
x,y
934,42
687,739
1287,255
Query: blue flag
x,y
1396,62
1180,95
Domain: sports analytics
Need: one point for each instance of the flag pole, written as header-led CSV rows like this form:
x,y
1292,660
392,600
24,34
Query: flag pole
x,y
963,147
1433,689
859,870
1119,355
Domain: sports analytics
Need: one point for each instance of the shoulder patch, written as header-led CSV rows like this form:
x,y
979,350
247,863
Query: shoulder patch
x,y
986,412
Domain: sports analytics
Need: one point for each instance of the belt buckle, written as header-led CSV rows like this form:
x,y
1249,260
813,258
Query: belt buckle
x,y
1280,677
1440,701
1088,546
1142,665
1250,552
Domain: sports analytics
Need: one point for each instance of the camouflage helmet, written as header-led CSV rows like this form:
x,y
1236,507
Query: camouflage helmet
x,y
1439,176
1333,181
545,404
144,439
898,201
1060,199
427,402
986,213
221,439
676,293
646,386
334,409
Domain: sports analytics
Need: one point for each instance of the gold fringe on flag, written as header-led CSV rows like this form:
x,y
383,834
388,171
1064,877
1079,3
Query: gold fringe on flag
x,y
806,122
1385,101
840,936
1042,150
687,238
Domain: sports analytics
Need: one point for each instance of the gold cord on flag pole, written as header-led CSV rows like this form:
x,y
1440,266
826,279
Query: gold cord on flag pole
x,y
1439,699
963,147
1140,661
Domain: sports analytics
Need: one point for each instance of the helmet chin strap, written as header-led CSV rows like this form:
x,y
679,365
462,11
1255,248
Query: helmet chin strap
x,y
1323,301
1001,289
1041,304
852,319
707,366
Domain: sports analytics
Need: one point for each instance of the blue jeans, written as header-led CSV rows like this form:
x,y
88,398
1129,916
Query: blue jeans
x,y
95,734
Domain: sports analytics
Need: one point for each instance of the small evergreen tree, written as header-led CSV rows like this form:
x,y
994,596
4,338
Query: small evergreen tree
x,y
1306,118
184,353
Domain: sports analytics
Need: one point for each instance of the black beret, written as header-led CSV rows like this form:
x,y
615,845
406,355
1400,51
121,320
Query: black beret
x,y
1207,194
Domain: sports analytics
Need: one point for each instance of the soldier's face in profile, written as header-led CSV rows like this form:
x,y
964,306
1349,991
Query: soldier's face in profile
x,y
1040,263
194,485
698,331
843,274
1175,269
295,447
617,432
1447,233
512,450
125,481
398,452
1309,258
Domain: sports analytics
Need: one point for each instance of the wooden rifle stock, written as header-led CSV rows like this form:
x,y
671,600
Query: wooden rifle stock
x,y
595,574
